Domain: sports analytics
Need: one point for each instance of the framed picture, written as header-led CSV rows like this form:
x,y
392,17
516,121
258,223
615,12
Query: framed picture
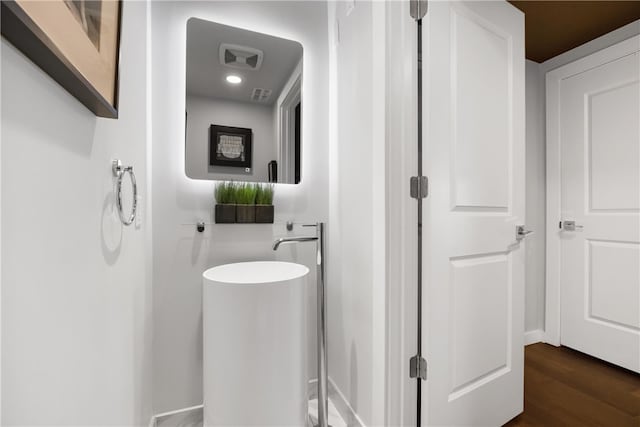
x,y
229,146
76,42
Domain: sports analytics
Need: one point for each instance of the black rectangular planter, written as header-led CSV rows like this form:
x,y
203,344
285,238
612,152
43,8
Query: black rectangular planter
x,y
264,214
225,214
246,214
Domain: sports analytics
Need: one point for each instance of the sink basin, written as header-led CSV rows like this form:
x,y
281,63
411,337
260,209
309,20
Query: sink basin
x,y
254,344
255,272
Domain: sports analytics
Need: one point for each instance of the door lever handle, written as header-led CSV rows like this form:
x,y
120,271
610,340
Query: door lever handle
x,y
570,226
522,232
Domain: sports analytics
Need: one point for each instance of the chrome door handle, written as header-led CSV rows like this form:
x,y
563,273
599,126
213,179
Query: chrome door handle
x,y
570,226
522,232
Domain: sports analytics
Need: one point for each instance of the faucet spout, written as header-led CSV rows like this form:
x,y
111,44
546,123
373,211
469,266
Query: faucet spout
x,y
282,240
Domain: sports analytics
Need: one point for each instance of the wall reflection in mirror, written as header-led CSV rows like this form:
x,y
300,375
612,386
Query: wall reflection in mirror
x,y
243,105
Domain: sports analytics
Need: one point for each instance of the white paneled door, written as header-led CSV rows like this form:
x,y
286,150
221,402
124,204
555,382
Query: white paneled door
x,y
599,135
473,264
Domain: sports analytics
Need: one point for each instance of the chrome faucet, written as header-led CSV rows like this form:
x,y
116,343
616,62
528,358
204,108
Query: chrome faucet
x,y
292,240
323,403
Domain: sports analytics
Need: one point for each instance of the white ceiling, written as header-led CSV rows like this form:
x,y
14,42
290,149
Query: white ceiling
x,y
206,75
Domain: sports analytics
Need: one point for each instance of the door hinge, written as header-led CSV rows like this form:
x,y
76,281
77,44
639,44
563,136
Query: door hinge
x,y
419,187
417,8
418,367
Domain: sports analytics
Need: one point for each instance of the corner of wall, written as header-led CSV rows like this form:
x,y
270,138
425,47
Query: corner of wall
x,y
535,197
609,39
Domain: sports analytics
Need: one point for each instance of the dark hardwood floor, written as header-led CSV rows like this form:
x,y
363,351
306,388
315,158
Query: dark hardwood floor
x,y
563,387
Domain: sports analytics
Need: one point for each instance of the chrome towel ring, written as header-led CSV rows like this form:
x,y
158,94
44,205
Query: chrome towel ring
x,y
119,172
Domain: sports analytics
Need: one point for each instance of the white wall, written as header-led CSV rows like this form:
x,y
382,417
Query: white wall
x,y
75,300
180,253
535,197
357,246
203,112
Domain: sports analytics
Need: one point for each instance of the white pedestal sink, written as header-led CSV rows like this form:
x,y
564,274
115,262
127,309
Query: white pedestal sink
x,y
254,361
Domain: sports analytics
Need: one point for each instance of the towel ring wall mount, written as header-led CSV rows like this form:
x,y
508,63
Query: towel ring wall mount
x,y
119,171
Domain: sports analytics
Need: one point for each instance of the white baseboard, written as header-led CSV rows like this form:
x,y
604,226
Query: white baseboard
x,y
341,403
532,337
181,417
189,417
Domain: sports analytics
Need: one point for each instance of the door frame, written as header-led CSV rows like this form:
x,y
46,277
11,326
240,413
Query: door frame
x,y
290,96
402,262
553,185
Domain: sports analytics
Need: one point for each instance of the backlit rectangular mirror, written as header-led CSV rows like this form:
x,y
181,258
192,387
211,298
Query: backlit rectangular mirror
x,y
243,105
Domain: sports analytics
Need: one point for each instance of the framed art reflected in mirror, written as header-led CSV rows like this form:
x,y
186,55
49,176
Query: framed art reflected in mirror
x,y
229,146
